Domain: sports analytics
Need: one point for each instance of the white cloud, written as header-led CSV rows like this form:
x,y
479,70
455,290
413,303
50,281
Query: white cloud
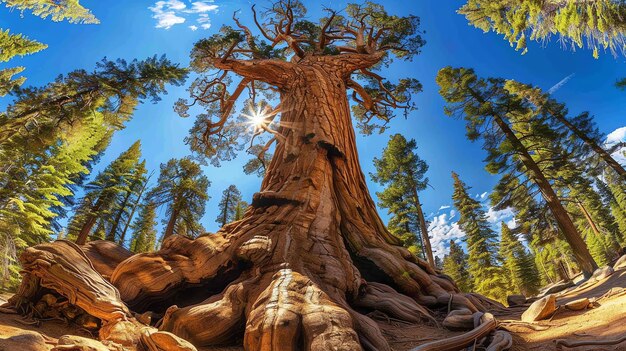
x,y
616,136
201,6
167,19
512,223
441,230
494,216
169,13
443,207
484,195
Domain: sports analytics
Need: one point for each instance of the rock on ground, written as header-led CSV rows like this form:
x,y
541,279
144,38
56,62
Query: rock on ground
x,y
578,305
602,272
515,300
26,341
540,309
621,263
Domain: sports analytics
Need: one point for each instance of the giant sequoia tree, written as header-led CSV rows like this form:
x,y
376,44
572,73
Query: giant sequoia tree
x,y
311,255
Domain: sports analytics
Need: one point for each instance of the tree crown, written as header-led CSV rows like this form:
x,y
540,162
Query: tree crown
x,y
356,42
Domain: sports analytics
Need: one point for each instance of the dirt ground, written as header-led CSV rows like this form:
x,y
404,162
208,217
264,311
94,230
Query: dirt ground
x,y
607,321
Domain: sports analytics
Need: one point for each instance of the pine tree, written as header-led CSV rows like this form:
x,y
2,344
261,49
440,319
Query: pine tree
x,y
582,127
114,88
103,193
511,129
454,264
481,243
130,194
594,24
402,172
18,45
144,232
183,189
12,45
240,209
610,196
32,185
58,10
231,197
518,265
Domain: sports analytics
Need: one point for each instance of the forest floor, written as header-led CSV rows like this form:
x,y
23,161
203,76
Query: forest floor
x,y
606,321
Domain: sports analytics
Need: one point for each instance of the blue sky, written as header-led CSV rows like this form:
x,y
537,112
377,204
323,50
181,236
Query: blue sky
x,y
138,29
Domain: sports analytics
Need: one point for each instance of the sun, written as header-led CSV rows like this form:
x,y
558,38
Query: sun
x,y
259,118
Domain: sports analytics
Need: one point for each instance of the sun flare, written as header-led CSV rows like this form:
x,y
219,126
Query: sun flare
x,y
258,117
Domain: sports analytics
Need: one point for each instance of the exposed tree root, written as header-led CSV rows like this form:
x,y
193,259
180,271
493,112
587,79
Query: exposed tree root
x,y
486,323
105,256
561,343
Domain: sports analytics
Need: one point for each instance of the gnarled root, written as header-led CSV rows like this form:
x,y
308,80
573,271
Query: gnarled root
x,y
63,267
292,312
105,256
487,323
381,297
147,278
561,343
223,312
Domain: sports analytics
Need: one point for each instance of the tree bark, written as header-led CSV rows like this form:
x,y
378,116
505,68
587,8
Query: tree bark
x,y
132,212
579,248
309,250
118,216
83,235
428,251
592,224
169,230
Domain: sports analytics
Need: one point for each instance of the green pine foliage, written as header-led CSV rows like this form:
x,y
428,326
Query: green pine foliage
x,y
58,10
114,88
32,184
240,210
519,270
144,231
454,264
12,45
182,188
598,24
129,195
402,172
229,205
107,195
481,243
611,195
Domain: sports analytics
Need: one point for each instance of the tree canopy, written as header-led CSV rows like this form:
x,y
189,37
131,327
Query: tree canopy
x,y
597,24
57,10
361,40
